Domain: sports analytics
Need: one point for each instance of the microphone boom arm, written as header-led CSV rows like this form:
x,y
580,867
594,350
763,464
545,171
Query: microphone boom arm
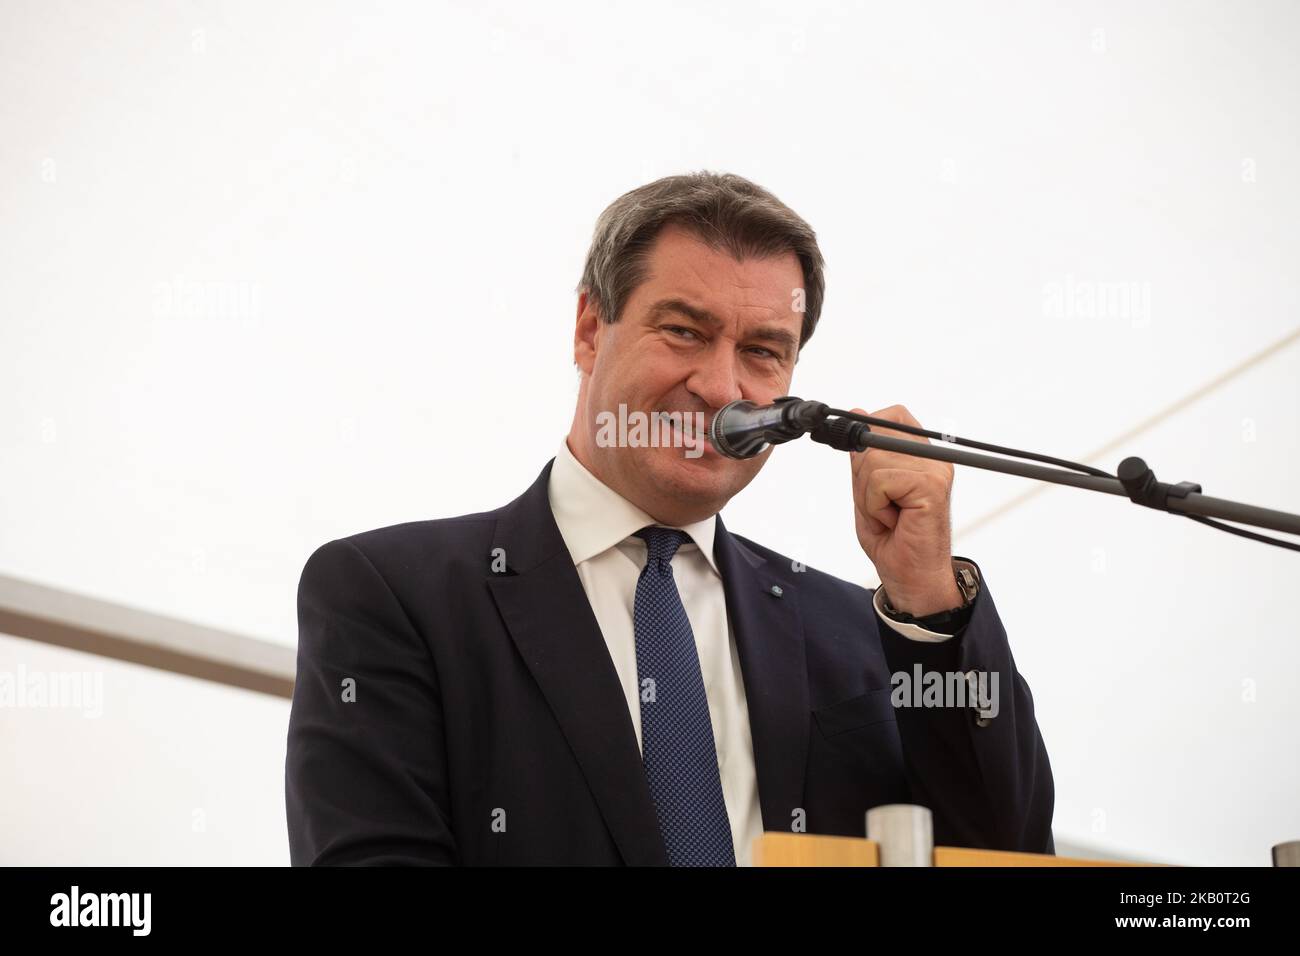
x,y
742,429
1136,481
1182,498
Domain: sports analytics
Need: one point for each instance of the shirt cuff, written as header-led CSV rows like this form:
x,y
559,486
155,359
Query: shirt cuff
x,y
914,631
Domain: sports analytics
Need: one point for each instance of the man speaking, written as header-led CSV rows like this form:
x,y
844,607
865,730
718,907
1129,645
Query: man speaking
x,y
600,672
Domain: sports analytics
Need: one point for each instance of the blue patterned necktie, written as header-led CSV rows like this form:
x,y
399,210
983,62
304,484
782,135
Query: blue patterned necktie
x,y
677,747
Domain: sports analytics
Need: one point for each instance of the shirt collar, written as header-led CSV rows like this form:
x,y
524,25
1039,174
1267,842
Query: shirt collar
x,y
593,517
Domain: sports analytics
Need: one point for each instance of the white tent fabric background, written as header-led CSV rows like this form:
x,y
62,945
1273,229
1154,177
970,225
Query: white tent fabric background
x,y
278,273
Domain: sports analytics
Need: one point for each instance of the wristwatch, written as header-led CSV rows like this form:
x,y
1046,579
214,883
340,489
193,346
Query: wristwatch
x,y
949,621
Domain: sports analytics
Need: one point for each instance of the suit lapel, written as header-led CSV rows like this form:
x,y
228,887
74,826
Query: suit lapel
x,y
551,622
769,638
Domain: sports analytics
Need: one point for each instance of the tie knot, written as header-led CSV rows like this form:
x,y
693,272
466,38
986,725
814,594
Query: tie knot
x,y
661,544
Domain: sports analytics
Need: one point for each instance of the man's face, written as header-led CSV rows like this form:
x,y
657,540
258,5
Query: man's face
x,y
700,331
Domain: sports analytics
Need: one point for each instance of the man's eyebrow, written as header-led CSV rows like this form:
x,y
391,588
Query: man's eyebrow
x,y
764,333
772,333
685,308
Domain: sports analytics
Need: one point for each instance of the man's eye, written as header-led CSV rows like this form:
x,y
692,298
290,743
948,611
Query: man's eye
x,y
767,353
677,328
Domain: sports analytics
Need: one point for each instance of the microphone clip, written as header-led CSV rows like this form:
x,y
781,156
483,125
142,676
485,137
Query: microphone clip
x,y
842,434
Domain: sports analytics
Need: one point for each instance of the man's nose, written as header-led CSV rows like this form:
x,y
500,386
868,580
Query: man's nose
x,y
714,380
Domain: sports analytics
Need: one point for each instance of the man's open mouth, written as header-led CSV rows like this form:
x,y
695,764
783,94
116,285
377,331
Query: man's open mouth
x,y
691,427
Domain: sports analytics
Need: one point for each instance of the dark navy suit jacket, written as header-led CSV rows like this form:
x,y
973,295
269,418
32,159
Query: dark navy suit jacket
x,y
446,712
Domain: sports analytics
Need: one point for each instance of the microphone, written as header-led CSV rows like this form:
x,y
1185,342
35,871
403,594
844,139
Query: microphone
x,y
742,429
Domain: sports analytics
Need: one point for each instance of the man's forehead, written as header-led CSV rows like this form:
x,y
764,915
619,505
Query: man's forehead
x,y
680,255
689,277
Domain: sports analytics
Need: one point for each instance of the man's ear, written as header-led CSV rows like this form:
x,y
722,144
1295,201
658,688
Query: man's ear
x,y
586,334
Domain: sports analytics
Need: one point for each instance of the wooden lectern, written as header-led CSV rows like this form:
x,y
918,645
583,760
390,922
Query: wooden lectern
x,y
900,835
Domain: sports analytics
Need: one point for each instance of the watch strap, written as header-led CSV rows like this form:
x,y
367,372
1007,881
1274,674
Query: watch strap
x,y
949,621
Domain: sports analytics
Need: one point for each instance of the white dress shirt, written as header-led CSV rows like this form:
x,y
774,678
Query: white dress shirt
x,y
598,526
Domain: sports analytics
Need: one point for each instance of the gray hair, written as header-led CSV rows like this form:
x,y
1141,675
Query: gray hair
x,y
727,212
